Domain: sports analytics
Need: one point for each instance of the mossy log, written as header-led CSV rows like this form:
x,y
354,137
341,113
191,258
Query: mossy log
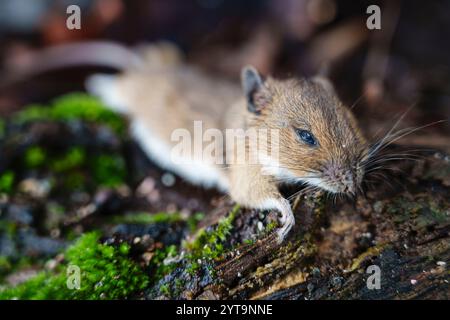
x,y
52,192
403,229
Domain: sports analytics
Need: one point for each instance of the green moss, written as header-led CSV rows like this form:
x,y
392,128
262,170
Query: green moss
x,y
209,244
106,273
54,215
9,265
422,210
35,157
194,219
74,181
108,170
31,113
158,266
160,269
249,241
193,267
8,227
7,181
402,209
164,289
88,108
432,214
71,107
82,169
73,158
2,128
148,218
5,266
271,226
179,286
160,217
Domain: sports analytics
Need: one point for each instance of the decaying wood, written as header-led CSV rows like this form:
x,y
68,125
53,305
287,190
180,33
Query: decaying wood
x,y
404,230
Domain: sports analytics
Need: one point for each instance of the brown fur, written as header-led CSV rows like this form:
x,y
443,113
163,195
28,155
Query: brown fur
x,y
302,104
161,94
164,99
306,104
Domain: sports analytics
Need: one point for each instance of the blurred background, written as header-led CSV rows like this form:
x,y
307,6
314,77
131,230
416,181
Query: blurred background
x,y
69,166
382,71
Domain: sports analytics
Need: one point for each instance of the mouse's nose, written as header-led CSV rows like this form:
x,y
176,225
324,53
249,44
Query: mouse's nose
x,y
343,178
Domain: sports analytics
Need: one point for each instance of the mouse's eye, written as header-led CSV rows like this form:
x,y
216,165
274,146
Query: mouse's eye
x,y
306,137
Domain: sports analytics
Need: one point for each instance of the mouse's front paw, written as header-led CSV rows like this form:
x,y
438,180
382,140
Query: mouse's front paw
x,y
287,222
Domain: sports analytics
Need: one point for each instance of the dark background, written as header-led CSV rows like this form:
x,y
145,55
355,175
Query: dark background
x,y
385,71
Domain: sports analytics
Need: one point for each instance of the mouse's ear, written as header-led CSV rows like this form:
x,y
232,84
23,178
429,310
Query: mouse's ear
x,y
254,89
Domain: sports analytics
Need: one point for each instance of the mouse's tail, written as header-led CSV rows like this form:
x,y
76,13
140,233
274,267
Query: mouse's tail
x,y
93,53
90,53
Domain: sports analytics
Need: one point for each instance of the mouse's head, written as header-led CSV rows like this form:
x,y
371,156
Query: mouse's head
x,y
319,140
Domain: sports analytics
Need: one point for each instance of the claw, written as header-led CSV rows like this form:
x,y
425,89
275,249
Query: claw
x,y
287,220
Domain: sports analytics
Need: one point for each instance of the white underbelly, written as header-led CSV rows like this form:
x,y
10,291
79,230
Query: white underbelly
x,y
194,171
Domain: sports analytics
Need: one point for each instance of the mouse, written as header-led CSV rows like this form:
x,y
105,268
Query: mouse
x,y
318,141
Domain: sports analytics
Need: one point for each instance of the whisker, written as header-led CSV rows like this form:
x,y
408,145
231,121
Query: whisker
x,y
357,100
383,160
396,124
396,137
302,191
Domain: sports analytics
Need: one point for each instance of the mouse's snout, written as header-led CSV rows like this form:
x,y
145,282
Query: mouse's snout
x,y
340,179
